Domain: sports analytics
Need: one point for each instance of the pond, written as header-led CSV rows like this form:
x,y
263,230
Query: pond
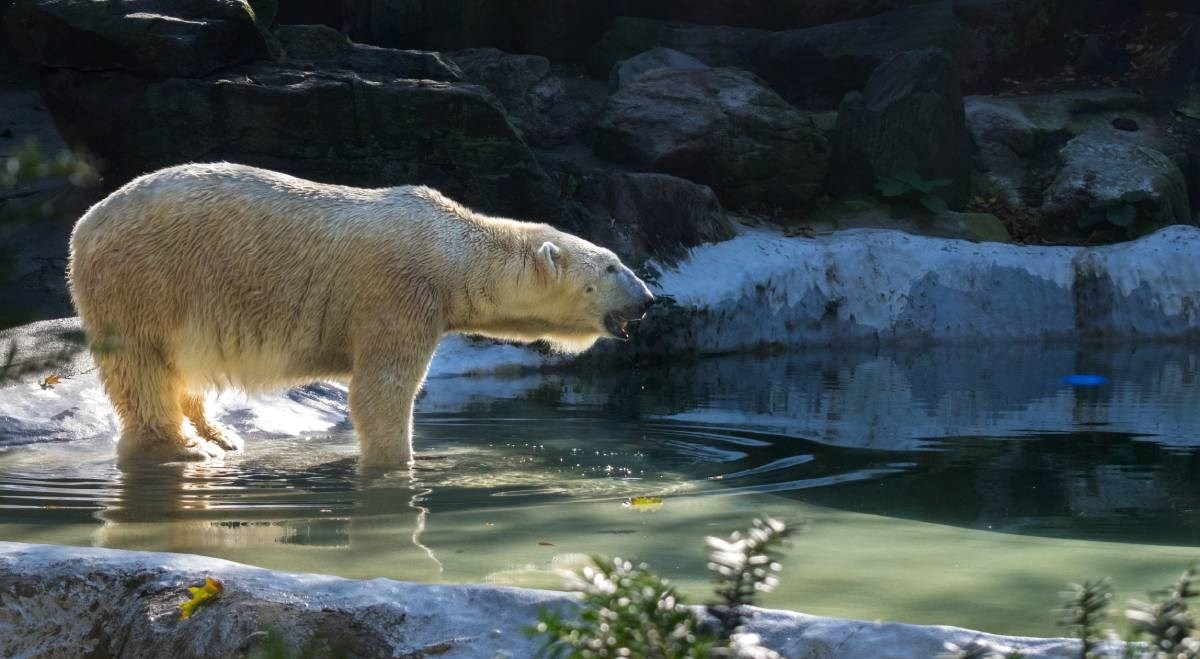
x,y
955,485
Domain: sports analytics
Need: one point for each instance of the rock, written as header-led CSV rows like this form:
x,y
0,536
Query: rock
x,y
765,14
655,58
558,29
654,215
1101,55
110,602
714,46
331,125
811,64
858,213
1125,123
1168,59
720,127
909,117
441,25
265,12
1007,38
1190,106
189,38
1020,140
1098,174
762,289
328,47
525,86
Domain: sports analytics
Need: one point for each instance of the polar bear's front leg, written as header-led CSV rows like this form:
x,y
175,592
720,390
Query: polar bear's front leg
x,y
382,388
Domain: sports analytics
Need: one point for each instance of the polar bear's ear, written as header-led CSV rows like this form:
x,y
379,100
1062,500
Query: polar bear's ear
x,y
550,256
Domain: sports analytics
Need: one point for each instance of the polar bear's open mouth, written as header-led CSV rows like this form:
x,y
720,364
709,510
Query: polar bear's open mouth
x,y
617,325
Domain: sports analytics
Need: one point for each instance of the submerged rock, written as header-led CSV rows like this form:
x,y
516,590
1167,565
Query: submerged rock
x,y
106,602
720,127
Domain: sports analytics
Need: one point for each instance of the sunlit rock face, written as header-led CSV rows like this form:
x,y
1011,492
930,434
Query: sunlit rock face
x,y
66,600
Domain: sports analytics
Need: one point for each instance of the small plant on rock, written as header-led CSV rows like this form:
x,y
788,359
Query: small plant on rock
x,y
629,611
907,185
1122,212
1084,610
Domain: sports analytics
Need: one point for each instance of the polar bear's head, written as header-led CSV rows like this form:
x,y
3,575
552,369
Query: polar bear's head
x,y
574,292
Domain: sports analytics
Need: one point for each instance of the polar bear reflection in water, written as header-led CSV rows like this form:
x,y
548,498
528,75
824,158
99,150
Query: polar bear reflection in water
x,y
203,277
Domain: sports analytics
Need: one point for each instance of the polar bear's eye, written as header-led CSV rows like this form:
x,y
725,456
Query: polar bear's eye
x,y
611,269
589,289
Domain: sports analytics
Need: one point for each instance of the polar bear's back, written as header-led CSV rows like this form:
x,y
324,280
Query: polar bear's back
x,y
246,275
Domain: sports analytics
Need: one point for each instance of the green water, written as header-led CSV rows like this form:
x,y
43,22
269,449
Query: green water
x,y
954,486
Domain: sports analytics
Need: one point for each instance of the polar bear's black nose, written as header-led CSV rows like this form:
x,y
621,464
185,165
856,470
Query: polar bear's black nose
x,y
647,303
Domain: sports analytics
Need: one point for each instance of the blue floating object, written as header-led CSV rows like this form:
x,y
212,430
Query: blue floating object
x,y
1082,380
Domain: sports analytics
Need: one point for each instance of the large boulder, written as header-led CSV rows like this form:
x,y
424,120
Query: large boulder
x,y
652,215
1105,180
909,117
655,58
331,125
807,64
714,46
525,85
1059,163
722,127
185,38
814,66
326,46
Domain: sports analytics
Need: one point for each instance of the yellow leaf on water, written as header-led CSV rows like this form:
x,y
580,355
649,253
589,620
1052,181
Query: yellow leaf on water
x,y
200,596
643,503
50,381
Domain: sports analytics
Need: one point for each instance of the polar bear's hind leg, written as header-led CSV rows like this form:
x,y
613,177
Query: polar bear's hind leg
x,y
145,389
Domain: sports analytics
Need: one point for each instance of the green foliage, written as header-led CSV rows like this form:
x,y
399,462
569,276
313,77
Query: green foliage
x,y
28,163
628,611
1084,610
1166,622
744,566
908,186
1122,212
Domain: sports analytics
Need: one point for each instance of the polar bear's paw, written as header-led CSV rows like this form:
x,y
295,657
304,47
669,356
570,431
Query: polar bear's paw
x,y
223,437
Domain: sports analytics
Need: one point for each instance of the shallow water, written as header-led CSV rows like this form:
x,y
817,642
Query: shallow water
x,y
955,486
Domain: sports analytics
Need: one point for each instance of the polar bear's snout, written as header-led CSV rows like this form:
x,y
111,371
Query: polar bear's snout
x,y
639,299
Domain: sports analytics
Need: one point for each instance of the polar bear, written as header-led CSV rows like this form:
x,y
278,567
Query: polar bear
x,y
205,276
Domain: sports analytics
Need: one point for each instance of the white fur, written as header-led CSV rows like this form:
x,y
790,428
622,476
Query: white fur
x,y
209,276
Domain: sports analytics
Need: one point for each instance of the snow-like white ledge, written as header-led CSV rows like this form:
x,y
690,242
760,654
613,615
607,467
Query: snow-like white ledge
x,y
70,601
762,288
